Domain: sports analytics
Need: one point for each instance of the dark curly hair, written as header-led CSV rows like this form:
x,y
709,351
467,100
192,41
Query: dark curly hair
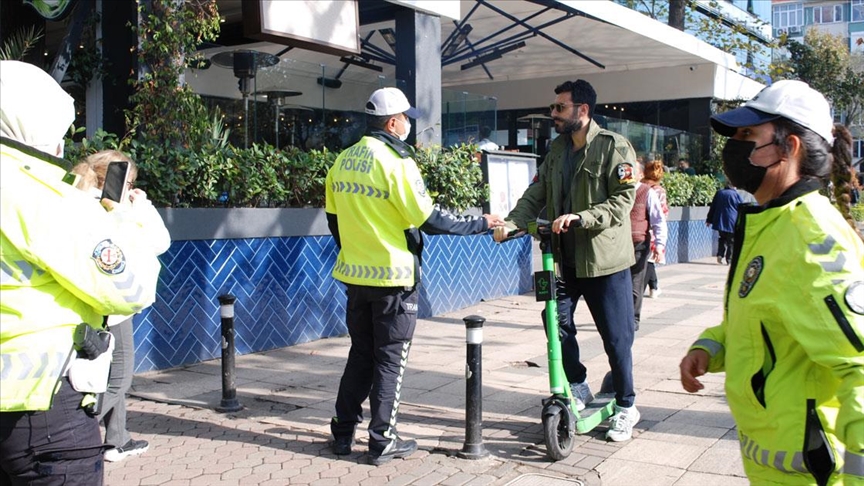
x,y
823,161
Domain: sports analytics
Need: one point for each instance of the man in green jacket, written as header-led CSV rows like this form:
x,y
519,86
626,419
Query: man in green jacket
x,y
587,185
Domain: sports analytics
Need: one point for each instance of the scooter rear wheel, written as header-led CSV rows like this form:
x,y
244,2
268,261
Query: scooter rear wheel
x,y
559,443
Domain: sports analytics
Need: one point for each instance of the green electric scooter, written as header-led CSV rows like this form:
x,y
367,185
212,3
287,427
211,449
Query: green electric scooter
x,y
561,420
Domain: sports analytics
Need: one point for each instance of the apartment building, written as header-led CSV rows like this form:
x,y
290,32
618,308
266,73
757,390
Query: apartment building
x,y
844,18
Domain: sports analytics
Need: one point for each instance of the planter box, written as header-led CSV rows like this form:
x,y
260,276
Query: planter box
x,y
689,239
277,262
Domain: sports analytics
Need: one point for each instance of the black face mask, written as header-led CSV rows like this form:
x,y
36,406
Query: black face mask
x,y
738,168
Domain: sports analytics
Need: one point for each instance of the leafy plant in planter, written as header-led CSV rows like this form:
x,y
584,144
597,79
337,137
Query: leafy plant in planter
x,y
453,177
686,190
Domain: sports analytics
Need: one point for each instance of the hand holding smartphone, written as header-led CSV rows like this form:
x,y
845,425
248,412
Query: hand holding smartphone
x,y
115,182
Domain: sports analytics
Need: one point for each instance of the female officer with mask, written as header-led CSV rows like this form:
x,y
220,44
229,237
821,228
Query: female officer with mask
x,y
792,337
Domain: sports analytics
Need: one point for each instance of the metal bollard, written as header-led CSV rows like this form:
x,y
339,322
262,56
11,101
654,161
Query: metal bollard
x,y
229,401
473,447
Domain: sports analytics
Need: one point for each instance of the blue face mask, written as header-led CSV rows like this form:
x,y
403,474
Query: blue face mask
x,y
738,167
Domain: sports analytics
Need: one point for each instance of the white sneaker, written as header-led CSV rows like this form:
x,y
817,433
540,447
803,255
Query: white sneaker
x,y
720,260
649,293
622,422
656,293
581,394
131,448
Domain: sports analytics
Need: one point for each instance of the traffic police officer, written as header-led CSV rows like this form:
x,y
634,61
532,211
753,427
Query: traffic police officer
x,y
62,263
376,201
791,341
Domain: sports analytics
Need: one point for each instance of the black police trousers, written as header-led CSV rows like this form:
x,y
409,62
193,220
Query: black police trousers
x,y
381,322
62,445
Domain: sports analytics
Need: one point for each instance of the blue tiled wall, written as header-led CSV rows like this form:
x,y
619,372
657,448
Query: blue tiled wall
x,y
285,294
688,241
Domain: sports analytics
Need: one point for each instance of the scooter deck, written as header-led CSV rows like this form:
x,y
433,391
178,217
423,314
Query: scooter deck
x,y
600,409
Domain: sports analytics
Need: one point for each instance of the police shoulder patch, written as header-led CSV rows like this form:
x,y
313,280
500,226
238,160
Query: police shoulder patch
x,y
420,187
109,258
751,275
855,297
625,173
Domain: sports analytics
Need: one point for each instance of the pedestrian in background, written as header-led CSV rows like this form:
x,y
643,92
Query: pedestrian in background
x,y
648,233
684,167
791,341
587,185
64,263
721,216
654,171
485,143
378,234
139,211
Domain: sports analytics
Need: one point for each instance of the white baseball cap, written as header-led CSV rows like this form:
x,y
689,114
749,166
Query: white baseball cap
x,y
390,101
793,100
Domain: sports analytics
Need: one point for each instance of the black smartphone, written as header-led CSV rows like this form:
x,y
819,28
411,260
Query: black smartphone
x,y
115,181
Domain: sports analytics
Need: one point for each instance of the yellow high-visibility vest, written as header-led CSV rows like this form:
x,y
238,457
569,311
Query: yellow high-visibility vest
x,y
63,261
377,195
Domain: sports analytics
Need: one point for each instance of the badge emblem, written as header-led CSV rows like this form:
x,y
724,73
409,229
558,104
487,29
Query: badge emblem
x,y
751,275
109,258
420,187
625,174
855,297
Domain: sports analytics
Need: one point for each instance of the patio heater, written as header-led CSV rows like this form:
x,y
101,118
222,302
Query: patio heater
x,y
535,120
278,98
245,64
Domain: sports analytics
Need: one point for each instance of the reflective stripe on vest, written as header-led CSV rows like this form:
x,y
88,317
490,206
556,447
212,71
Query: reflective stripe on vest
x,y
31,366
360,189
366,271
752,451
712,346
853,464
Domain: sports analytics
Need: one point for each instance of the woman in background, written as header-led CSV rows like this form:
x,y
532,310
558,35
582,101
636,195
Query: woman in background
x,y
654,171
139,211
792,337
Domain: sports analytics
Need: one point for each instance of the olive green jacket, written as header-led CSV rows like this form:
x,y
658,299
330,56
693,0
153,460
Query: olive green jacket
x,y
602,194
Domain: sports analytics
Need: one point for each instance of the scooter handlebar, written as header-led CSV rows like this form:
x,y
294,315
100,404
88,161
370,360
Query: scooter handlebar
x,y
539,229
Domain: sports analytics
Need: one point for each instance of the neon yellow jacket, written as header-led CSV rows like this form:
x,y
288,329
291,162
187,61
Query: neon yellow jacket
x,y
378,194
792,341
62,262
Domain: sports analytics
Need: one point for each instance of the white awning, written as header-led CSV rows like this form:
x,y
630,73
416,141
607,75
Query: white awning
x,y
642,59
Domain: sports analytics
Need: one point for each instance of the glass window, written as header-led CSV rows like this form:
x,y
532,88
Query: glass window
x,y
788,15
857,10
828,14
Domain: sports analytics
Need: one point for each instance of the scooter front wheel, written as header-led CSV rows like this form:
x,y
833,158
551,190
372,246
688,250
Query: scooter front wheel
x,y
559,440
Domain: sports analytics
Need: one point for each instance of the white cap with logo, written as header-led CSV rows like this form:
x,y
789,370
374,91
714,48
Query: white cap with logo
x,y
793,100
390,101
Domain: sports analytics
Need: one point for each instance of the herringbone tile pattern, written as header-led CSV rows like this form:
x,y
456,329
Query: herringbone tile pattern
x,y
285,294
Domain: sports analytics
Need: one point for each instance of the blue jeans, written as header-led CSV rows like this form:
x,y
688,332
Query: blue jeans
x,y
610,301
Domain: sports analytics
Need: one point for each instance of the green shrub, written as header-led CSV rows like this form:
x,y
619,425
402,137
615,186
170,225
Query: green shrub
x,y
858,212
453,177
685,190
221,175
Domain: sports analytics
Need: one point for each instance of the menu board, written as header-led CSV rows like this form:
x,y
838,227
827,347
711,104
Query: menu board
x,y
508,174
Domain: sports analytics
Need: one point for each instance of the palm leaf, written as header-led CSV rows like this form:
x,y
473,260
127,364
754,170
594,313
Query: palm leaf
x,y
20,43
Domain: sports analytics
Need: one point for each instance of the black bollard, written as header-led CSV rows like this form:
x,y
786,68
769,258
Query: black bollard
x,y
229,401
473,447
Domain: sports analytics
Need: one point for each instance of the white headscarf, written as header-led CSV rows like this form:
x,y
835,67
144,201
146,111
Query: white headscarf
x,y
34,109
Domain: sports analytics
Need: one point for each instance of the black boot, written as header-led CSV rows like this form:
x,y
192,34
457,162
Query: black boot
x,y
397,449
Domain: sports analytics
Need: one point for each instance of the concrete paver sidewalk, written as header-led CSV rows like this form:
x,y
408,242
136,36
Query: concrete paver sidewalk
x,y
281,436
